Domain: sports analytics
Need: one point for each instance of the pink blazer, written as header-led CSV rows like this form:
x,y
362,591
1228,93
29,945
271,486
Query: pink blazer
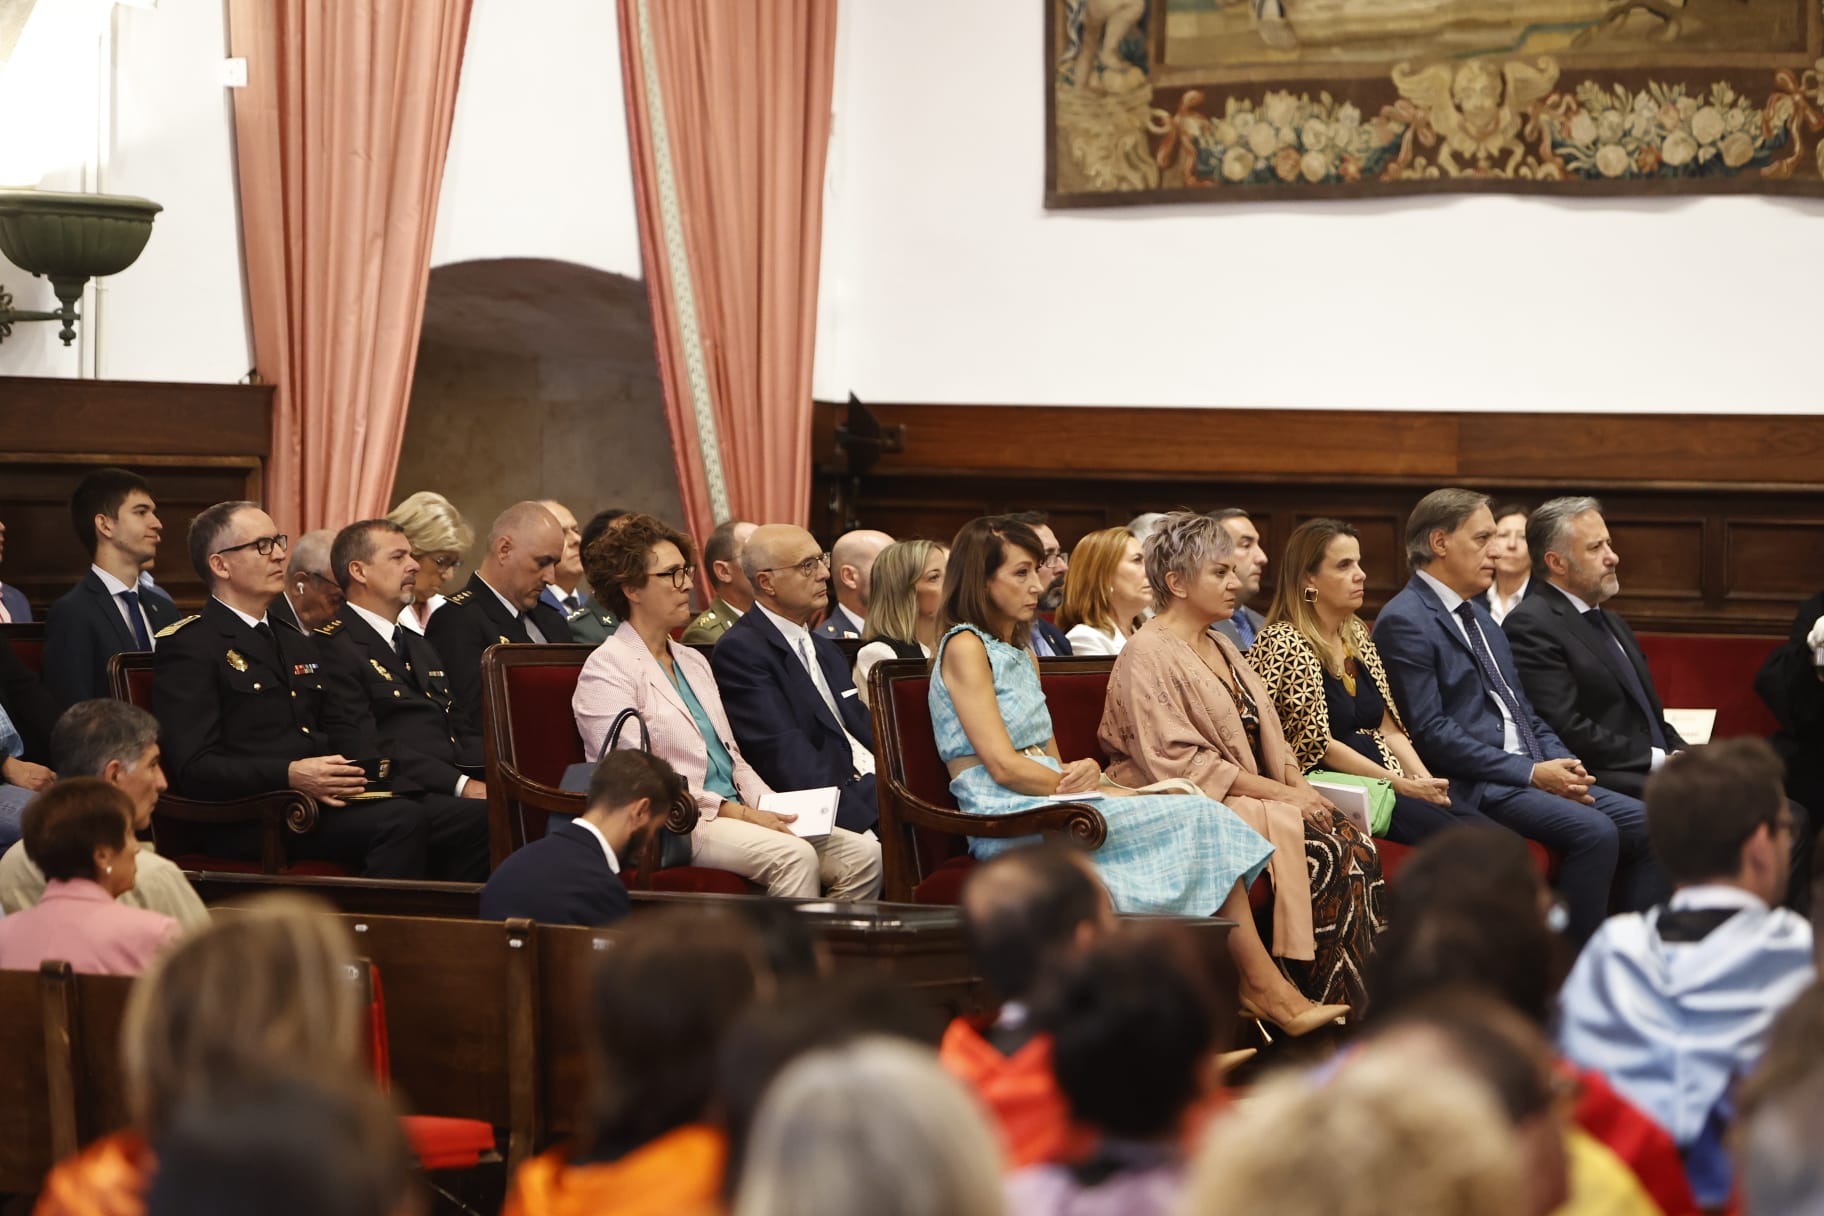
x,y
79,923
620,673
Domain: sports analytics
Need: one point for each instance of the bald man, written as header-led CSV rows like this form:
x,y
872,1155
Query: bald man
x,y
852,563
500,604
789,695
311,595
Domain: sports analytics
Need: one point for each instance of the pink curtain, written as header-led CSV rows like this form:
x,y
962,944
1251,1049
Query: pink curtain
x,y
340,137
728,109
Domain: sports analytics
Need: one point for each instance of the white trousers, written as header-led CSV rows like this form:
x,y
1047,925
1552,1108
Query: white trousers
x,y
843,865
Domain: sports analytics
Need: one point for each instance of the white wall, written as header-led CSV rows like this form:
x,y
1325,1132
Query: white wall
x,y
944,279
179,313
538,164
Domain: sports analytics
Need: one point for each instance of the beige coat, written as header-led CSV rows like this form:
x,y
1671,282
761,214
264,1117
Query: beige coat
x,y
1167,715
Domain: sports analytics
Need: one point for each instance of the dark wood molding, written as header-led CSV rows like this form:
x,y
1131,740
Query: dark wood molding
x,y
1719,518
197,444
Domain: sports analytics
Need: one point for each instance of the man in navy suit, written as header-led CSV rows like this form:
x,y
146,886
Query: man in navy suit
x,y
107,612
1455,681
572,874
796,712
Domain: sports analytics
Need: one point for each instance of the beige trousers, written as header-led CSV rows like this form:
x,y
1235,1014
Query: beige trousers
x,y
843,865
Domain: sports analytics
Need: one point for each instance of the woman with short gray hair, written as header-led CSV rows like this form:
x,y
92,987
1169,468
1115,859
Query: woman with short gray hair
x,y
1183,703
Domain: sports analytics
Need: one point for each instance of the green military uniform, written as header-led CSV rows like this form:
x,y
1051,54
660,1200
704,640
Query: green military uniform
x,y
712,624
591,624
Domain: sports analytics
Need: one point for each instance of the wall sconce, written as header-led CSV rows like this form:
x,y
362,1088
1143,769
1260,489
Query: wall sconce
x,y
69,239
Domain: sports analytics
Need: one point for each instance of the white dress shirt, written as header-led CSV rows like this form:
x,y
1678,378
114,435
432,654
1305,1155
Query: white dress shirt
x,y
1510,733
1085,638
1499,607
614,863
799,639
385,628
115,589
532,630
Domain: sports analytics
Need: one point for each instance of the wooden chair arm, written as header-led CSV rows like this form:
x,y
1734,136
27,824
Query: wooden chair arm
x,y
293,809
537,794
1081,822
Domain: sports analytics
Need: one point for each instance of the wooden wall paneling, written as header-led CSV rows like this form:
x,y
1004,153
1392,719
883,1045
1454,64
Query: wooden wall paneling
x,y
1719,520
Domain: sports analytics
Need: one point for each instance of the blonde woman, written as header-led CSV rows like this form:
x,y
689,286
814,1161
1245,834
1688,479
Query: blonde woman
x,y
439,537
1327,682
1106,594
875,1126
908,589
264,989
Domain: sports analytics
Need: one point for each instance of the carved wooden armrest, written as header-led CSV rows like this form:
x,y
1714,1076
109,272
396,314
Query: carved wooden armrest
x,y
1082,822
294,809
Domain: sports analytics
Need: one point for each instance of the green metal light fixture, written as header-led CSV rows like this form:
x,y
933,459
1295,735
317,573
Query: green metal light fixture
x,y
69,239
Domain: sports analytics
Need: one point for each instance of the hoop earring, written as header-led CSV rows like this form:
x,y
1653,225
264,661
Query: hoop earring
x,y
1310,595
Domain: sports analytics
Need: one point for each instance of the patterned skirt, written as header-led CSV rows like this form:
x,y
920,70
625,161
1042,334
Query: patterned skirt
x,y
1346,913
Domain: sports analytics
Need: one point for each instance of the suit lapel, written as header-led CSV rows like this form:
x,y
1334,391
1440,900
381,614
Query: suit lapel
x,y
794,666
655,674
240,641
1453,628
109,608
505,623
379,650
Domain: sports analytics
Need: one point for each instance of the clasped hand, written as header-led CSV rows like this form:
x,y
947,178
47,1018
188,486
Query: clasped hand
x,y
328,779
1080,777
1566,778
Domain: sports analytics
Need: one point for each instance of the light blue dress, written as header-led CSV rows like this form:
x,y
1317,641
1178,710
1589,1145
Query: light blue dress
x,y
1174,853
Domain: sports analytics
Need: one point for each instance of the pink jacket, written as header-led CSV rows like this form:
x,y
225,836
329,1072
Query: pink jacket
x,y
79,923
621,673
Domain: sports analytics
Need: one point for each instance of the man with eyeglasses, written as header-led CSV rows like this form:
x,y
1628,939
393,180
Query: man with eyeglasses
x,y
1048,641
1673,1005
851,569
789,695
107,612
500,604
310,596
247,707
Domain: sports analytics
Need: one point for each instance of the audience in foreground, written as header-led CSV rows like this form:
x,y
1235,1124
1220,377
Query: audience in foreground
x,y
1134,1027
1335,704
796,713
1455,680
263,991
1178,853
1674,1005
873,1126
79,833
572,874
286,1146
117,743
1182,704
908,583
659,1006
643,569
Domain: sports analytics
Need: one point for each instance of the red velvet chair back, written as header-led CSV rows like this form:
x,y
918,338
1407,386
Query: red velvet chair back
x,y
130,678
1706,671
530,736
544,740
921,771
27,640
1075,690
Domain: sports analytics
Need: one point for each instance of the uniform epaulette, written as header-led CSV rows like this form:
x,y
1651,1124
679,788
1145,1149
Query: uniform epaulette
x,y
328,628
172,628
705,618
578,615
462,597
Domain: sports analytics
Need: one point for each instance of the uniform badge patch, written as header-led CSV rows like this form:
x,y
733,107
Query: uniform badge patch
x,y
237,660
381,668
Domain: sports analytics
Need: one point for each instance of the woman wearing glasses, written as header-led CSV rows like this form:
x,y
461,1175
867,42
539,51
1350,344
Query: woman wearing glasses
x,y
439,537
642,569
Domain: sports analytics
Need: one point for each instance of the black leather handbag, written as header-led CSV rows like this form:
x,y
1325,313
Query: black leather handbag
x,y
674,849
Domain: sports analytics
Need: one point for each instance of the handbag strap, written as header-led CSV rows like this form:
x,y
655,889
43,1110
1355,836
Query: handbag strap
x,y
619,724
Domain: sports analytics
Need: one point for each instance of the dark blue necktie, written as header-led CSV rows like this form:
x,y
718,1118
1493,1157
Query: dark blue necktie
x,y
399,645
141,638
1629,676
1497,685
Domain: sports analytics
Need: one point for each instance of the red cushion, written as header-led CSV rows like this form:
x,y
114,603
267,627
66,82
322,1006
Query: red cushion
x,y
31,653
1395,856
698,880
448,1144
925,774
945,885
1703,671
1075,700
139,687
545,740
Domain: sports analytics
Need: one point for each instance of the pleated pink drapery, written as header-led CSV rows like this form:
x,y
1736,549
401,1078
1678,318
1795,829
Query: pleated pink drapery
x,y
340,136
728,110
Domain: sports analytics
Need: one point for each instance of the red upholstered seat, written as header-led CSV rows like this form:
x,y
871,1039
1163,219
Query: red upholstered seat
x,y
27,641
1706,671
926,777
545,740
438,1142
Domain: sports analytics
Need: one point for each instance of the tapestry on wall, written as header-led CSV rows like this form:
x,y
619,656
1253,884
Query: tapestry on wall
x,y
1154,101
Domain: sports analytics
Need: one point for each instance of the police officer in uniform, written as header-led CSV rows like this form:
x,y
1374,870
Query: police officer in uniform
x,y
500,604
734,594
372,657
245,708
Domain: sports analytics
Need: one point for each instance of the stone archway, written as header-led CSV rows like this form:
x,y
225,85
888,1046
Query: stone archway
x,y
537,379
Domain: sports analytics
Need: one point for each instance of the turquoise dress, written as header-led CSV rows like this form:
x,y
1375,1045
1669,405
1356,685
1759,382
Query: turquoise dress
x,y
1175,853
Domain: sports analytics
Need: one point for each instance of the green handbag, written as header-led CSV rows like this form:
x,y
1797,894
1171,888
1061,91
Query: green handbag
x,y
1378,789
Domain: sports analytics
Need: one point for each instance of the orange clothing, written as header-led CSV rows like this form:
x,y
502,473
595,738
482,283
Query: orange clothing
x,y
108,1178
1019,1091
679,1173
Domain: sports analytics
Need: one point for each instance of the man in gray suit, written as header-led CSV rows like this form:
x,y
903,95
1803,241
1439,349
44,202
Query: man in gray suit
x,y
1250,560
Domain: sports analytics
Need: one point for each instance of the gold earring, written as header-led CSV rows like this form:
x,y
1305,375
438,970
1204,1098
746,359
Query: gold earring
x,y
1310,595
